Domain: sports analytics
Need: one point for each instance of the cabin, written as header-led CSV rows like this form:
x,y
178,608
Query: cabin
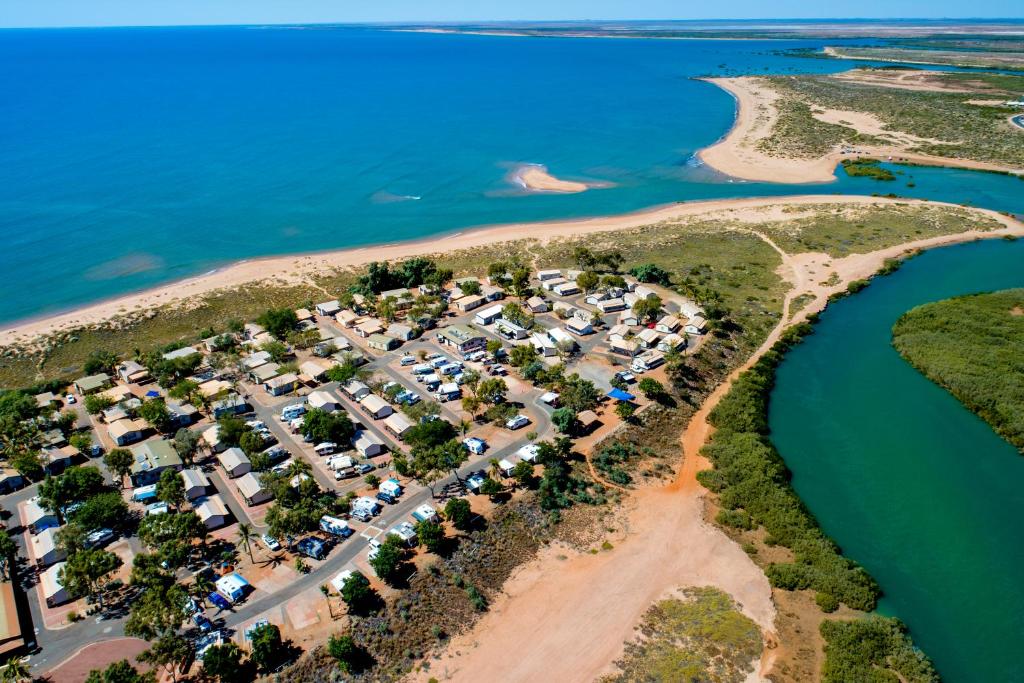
x,y
369,327
212,511
254,360
671,342
196,483
315,370
375,406
323,400
232,404
611,305
251,488
356,389
36,517
566,289
544,345
544,275
462,338
580,327
10,480
92,383
132,372
696,325
281,385
537,305
469,303
398,424
151,459
648,360
668,324
367,444
402,296
53,590
622,347
550,285
183,352
382,342
264,373
43,548
402,333
510,330
346,318
235,462
328,308
211,436
561,337
588,421
491,292
488,315
648,337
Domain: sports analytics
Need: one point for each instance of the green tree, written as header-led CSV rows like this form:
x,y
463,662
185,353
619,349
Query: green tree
x,y
523,355
278,350
86,571
523,473
651,388
648,272
470,287
648,309
157,612
100,361
493,346
519,282
431,535
491,488
168,652
245,538
15,671
105,510
321,426
278,321
389,559
578,394
170,488
267,647
584,258
155,413
119,461
8,552
75,485
564,420
515,313
345,651
230,430
358,594
251,443
625,410
120,672
458,511
66,421
226,664
588,281
186,444
70,538
28,464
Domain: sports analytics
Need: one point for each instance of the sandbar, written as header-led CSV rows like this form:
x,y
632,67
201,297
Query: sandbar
x,y
536,178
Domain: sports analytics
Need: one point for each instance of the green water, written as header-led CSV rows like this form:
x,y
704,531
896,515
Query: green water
x,y
909,483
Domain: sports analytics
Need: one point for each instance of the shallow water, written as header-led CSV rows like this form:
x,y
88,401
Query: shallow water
x,y
909,483
131,157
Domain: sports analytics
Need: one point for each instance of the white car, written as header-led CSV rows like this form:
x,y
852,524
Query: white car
x,y
70,398
517,422
272,543
374,549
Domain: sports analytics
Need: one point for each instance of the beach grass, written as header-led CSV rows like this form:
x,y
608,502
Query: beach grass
x,y
967,131
1007,60
842,230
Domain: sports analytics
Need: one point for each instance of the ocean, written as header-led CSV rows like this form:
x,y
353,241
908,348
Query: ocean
x,y
133,157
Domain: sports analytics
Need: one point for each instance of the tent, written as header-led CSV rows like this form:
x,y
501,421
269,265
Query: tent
x,y
620,395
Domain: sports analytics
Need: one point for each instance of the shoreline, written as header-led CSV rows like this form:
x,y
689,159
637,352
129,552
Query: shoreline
x,y
298,269
736,154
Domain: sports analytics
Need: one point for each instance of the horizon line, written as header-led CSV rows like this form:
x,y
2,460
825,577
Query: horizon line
x,y
462,22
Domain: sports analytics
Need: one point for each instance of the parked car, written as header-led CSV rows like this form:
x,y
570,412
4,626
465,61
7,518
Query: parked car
x,y
204,624
99,538
408,360
364,468
312,547
374,548
272,544
70,398
386,497
517,422
623,376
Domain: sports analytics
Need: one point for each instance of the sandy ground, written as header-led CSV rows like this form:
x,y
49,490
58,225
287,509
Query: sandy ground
x,y
303,268
566,615
537,178
901,79
737,154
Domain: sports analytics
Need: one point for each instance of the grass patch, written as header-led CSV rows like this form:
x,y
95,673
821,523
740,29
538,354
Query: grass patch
x,y
867,168
968,131
1008,61
875,649
701,636
972,346
841,230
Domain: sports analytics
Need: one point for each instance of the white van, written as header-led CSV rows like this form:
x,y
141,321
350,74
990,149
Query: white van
x,y
325,448
289,413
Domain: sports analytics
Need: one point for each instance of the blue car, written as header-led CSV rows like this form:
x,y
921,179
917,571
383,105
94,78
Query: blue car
x,y
219,601
204,624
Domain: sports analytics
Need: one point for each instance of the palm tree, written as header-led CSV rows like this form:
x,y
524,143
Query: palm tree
x,y
299,466
202,587
245,536
494,471
464,427
14,672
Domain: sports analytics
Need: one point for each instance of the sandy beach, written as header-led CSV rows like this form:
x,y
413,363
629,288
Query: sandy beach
x,y
536,178
301,268
738,153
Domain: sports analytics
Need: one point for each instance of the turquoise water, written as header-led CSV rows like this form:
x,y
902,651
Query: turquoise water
x,y
908,482
130,157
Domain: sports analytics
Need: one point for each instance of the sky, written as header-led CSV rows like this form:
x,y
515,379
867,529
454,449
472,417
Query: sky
x,y
40,13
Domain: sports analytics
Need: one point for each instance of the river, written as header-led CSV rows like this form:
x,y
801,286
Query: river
x,y
910,483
